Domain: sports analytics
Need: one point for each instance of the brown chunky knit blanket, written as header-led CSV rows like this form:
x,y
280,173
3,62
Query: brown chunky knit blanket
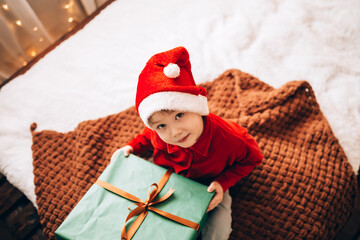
x,y
305,188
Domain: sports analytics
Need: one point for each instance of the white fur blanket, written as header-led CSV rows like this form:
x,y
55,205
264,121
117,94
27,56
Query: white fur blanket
x,y
94,73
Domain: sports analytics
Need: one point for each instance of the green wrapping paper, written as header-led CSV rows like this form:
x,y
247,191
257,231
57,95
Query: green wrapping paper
x,y
101,214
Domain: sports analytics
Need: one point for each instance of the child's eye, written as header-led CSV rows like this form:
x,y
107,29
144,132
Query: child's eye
x,y
179,115
161,126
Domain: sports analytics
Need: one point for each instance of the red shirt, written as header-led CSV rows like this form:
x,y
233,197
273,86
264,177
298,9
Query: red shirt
x,y
225,152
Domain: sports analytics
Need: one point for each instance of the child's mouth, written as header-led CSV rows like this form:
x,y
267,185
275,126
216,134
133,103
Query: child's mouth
x,y
184,139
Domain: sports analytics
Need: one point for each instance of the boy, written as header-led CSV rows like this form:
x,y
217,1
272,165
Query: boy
x,y
185,137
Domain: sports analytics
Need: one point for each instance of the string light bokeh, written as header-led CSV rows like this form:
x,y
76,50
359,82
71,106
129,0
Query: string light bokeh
x,y
29,27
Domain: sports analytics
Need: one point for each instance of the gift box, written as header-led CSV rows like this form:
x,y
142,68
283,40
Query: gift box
x,y
161,204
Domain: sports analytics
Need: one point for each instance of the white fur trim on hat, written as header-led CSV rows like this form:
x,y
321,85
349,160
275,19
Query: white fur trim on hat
x,y
172,70
177,101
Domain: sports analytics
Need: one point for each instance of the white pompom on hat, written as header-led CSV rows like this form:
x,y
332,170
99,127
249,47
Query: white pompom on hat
x,y
166,83
172,70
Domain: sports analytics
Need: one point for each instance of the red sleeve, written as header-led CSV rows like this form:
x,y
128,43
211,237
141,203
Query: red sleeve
x,y
243,163
142,142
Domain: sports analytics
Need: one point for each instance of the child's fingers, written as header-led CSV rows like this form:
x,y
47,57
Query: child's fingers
x,y
214,202
215,186
211,188
127,152
211,206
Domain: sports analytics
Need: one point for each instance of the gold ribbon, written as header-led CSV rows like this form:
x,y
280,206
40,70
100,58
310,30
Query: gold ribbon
x,y
144,206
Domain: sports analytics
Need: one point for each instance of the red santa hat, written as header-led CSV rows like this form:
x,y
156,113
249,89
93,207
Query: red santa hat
x,y
166,83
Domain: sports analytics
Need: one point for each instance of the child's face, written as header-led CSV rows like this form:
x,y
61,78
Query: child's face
x,y
177,128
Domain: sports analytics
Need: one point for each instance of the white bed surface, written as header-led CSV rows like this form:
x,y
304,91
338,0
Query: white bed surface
x,y
94,73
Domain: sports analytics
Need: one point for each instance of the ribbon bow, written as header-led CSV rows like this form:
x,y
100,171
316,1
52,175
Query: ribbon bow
x,y
144,206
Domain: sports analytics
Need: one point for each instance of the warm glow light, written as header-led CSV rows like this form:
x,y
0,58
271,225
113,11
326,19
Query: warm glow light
x,y
41,39
33,53
67,6
18,22
24,63
5,6
35,29
70,19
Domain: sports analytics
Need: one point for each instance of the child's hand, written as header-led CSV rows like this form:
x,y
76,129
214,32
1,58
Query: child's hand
x,y
218,197
126,149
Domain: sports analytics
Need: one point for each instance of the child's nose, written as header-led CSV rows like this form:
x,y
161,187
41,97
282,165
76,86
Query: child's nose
x,y
175,132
